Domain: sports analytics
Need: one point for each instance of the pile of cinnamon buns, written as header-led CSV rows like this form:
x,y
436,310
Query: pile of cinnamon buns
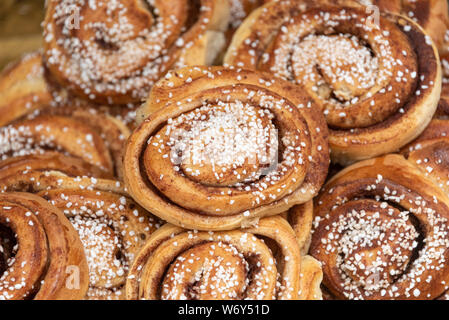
x,y
228,149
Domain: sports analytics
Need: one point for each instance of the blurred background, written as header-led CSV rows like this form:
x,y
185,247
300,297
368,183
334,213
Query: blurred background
x,y
20,28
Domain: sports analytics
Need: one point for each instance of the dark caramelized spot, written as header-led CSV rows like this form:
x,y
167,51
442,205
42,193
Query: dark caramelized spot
x,y
7,244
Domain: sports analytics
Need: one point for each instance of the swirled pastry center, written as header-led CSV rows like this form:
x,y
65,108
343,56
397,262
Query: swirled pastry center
x,y
227,152
102,248
349,66
344,67
113,38
225,144
375,246
207,272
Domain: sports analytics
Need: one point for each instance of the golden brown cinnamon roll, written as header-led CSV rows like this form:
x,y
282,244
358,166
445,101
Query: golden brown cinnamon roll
x,y
190,265
381,229
82,135
221,148
378,84
431,15
113,53
18,170
111,226
57,134
41,256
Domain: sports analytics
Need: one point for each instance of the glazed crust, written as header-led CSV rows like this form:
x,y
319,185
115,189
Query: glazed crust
x,y
432,15
171,197
111,226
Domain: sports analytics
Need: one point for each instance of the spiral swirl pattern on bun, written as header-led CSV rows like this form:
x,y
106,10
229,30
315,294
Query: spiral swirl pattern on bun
x,y
222,147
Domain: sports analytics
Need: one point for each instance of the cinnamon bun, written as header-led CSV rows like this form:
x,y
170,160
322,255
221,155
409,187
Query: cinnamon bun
x,y
222,147
190,265
111,226
378,84
26,90
112,229
381,229
112,53
41,255
431,15
91,142
112,130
